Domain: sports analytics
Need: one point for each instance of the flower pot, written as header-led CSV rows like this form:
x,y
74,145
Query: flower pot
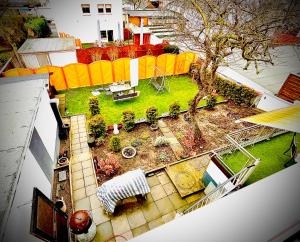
x,y
128,152
153,127
63,160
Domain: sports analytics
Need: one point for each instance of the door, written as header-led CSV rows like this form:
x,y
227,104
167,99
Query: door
x,y
110,35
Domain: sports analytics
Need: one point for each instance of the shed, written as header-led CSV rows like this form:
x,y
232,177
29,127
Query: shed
x,y
48,51
29,146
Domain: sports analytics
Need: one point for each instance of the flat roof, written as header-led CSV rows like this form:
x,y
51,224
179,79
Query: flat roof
x,y
284,118
19,101
286,60
47,45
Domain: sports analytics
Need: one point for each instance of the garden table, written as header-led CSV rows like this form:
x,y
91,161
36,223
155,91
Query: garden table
x,y
118,89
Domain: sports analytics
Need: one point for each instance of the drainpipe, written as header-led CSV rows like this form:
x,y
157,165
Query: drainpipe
x,y
141,32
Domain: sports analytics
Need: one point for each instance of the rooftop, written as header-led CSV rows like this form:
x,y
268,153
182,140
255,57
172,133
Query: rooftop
x,y
47,45
19,100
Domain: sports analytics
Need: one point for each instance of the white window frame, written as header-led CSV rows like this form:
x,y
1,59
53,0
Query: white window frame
x,y
110,7
86,5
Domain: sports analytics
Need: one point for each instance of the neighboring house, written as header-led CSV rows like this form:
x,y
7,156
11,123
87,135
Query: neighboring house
x,y
29,146
90,21
48,52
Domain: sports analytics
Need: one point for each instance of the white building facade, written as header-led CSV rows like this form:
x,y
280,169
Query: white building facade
x,y
90,21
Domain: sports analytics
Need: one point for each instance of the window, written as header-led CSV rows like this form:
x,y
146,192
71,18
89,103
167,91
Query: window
x,y
85,8
108,8
103,34
100,8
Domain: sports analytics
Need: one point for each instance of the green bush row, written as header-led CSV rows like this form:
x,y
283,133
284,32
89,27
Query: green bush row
x,y
237,93
39,26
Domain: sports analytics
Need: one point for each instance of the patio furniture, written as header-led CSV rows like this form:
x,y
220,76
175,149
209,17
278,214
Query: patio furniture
x,y
122,91
160,81
129,184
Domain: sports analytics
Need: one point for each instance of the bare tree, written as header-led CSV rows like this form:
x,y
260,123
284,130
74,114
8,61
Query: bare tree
x,y
137,4
217,29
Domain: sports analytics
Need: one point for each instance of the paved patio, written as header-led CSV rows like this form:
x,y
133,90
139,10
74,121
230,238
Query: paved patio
x,y
133,218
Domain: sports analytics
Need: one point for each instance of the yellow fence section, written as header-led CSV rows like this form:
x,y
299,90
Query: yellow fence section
x,y
106,72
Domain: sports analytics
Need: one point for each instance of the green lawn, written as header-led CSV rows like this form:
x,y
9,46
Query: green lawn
x,y
182,90
271,155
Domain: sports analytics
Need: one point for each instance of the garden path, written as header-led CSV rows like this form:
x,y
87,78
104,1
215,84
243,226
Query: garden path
x,y
174,143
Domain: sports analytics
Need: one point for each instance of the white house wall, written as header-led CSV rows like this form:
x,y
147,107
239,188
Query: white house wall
x,y
62,58
18,226
46,126
68,18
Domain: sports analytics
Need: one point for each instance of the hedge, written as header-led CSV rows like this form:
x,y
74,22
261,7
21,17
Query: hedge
x,y
239,94
39,26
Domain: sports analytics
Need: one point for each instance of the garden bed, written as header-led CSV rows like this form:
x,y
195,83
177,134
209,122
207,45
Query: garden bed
x,y
147,157
214,125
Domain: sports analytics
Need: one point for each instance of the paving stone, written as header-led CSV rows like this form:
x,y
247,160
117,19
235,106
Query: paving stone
x,y
168,217
87,172
86,164
75,141
90,190
140,230
84,156
169,188
84,145
128,235
83,204
79,194
194,197
163,178
135,218
152,181
85,150
100,216
75,146
75,136
77,184
82,135
164,205
177,201
95,202
155,223
74,131
76,167
83,139
149,198
104,232
120,224
89,180
76,152
77,175
158,192
74,159
180,210
150,212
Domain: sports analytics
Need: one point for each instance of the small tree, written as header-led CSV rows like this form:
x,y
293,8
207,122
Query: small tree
x,y
113,53
94,106
109,166
97,126
128,120
174,110
151,115
96,54
115,144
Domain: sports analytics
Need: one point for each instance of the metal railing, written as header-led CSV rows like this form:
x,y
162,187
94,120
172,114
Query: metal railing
x,y
221,190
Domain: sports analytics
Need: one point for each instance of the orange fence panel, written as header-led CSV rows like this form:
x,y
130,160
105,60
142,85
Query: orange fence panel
x,y
107,71
18,72
183,62
146,66
121,69
96,73
165,64
77,75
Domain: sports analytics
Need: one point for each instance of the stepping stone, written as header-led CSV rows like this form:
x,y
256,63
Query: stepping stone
x,y
150,212
104,231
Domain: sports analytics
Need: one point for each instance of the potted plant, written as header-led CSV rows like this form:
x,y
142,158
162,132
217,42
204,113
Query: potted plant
x,y
151,115
128,152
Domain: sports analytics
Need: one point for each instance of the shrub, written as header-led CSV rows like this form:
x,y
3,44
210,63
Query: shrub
x,y
4,57
109,166
237,93
174,110
151,115
211,101
115,143
128,120
137,142
99,141
97,126
163,156
171,49
39,26
94,106
160,141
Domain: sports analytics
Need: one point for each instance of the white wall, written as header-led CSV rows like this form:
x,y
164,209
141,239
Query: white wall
x,y
46,125
30,61
62,58
269,102
18,226
68,18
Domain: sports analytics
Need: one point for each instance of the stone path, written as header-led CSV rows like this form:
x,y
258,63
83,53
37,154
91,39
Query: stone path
x,y
161,205
174,143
